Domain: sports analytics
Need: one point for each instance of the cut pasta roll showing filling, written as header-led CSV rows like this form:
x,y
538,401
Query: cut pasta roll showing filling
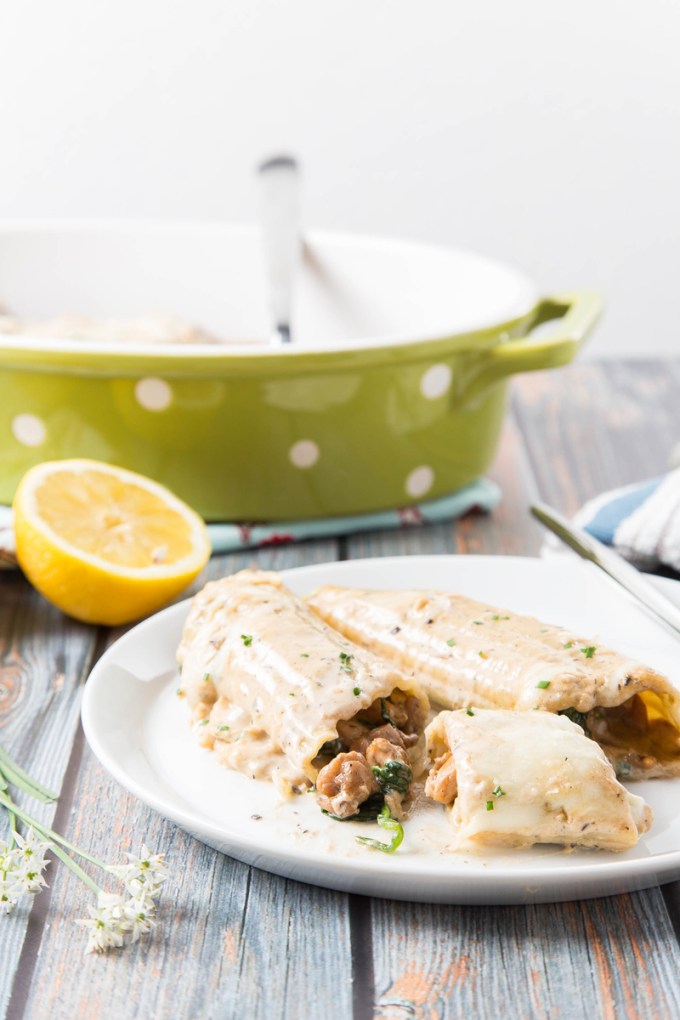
x,y
467,653
512,779
278,694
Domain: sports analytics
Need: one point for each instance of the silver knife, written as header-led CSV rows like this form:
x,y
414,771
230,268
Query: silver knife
x,y
612,564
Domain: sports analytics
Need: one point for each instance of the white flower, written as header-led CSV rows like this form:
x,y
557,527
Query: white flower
x,y
10,887
143,890
7,857
31,846
21,869
9,895
139,917
142,874
106,923
30,862
115,921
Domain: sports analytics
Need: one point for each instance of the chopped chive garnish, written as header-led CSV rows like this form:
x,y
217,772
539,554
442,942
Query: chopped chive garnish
x,y
468,711
223,728
206,678
247,639
568,644
346,662
483,655
291,694
499,792
489,805
543,684
385,821
451,642
478,623
304,655
357,691
589,651
204,722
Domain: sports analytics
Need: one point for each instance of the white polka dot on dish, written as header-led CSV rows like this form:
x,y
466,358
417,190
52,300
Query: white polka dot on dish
x,y
435,381
153,394
304,453
29,430
420,481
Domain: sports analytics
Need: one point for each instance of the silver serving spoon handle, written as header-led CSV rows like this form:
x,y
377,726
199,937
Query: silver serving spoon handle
x,y
614,565
279,180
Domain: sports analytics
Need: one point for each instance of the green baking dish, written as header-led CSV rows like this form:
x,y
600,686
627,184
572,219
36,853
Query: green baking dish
x,y
393,391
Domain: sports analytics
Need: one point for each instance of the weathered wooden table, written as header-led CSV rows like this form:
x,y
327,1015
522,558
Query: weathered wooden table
x,y
236,942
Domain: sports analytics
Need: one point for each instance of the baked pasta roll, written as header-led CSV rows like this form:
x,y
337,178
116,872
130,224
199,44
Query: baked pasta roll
x,y
468,654
279,694
512,779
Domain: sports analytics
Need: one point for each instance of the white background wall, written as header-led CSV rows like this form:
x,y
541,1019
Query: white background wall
x,y
546,135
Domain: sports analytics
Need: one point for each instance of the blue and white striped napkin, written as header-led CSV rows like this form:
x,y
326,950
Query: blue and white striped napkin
x,y
642,521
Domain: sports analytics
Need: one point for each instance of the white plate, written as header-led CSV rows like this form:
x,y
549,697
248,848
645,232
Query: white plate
x,y
139,730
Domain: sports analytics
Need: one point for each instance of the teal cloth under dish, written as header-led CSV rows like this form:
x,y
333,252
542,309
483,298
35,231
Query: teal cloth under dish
x,y
481,494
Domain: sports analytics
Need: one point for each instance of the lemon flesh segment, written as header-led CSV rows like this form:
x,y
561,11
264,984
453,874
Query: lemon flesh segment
x,y
114,520
103,544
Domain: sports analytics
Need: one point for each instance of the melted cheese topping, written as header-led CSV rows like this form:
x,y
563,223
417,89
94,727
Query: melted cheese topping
x,y
269,681
519,778
467,653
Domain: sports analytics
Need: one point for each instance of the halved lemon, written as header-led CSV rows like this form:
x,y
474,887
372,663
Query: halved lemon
x,y
104,544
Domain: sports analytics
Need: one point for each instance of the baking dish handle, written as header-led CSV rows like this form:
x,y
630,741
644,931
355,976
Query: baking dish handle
x,y
577,313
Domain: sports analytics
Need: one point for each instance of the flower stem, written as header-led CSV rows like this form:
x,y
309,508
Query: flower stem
x,y
16,775
50,833
11,817
75,868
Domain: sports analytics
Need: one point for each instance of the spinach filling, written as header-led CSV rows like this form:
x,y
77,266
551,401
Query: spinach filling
x,y
393,776
580,718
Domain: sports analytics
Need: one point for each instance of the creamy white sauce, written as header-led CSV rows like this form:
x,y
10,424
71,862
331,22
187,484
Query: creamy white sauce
x,y
254,657
466,653
268,681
